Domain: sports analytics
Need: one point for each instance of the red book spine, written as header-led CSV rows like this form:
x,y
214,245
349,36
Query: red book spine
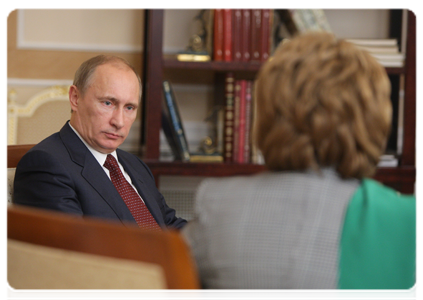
x,y
236,34
265,34
227,34
248,121
246,34
241,124
237,95
255,34
228,126
218,35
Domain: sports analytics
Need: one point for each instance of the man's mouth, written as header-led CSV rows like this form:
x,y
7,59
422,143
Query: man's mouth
x,y
112,136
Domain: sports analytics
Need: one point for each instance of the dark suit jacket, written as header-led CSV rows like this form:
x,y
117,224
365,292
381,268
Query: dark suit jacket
x,y
61,174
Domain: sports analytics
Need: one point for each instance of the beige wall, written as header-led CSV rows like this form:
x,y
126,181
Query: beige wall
x,y
49,63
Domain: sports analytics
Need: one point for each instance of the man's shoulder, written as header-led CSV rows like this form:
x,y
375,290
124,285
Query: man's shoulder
x,y
132,162
127,155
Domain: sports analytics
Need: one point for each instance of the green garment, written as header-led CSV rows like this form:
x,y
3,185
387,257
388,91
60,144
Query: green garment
x,y
378,242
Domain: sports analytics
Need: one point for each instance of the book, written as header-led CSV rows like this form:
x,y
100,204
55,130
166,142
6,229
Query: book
x,y
385,51
193,57
374,42
389,56
227,35
248,120
201,157
237,99
302,20
209,16
256,24
228,124
321,19
218,35
265,34
309,20
292,20
380,50
246,34
236,34
391,63
172,124
241,130
388,160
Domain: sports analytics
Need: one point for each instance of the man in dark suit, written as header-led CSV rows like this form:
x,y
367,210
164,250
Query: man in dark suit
x,y
68,171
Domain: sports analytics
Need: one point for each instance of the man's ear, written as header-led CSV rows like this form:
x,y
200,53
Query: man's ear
x,y
74,97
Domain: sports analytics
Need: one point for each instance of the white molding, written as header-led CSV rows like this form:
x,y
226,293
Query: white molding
x,y
79,47
20,26
22,44
37,82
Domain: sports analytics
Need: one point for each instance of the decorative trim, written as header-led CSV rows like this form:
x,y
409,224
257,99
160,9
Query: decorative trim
x,y
57,93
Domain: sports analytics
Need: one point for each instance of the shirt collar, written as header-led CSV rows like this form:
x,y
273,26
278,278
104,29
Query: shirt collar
x,y
100,157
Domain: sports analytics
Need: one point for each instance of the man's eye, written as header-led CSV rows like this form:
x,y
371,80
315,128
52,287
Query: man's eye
x,y
130,108
108,103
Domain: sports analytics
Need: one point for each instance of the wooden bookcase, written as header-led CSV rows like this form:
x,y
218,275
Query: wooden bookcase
x,y
402,178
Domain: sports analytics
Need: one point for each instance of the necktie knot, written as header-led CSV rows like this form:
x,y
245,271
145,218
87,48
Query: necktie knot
x,y
111,163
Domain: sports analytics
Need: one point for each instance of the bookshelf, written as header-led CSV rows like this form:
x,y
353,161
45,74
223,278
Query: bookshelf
x,y
402,177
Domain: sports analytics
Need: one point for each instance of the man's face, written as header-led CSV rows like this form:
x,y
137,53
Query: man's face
x,y
104,115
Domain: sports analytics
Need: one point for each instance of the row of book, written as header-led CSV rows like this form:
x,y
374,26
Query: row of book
x,y
237,119
296,21
236,122
242,34
175,134
246,35
386,51
234,143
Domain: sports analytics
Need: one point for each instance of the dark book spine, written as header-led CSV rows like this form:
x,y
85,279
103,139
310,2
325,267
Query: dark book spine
x,y
175,121
265,34
248,121
236,34
170,138
292,20
218,35
227,35
246,34
255,34
242,120
237,98
229,118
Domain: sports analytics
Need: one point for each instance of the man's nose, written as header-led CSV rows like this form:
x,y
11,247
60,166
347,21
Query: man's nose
x,y
117,118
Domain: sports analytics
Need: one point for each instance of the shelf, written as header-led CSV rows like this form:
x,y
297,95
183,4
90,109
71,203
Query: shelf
x,y
222,66
202,169
228,66
400,178
395,70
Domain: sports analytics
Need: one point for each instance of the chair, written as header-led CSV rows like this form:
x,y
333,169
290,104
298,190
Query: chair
x,y
14,155
42,115
52,250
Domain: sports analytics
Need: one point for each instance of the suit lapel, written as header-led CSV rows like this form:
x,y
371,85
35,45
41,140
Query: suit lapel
x,y
93,173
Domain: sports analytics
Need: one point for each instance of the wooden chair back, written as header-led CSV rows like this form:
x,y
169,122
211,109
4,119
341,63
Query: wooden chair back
x,y
93,236
15,153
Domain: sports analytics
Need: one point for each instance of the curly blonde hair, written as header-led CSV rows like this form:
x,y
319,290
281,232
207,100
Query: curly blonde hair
x,y
321,102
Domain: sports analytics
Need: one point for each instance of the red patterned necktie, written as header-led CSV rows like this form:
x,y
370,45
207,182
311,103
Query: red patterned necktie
x,y
134,202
